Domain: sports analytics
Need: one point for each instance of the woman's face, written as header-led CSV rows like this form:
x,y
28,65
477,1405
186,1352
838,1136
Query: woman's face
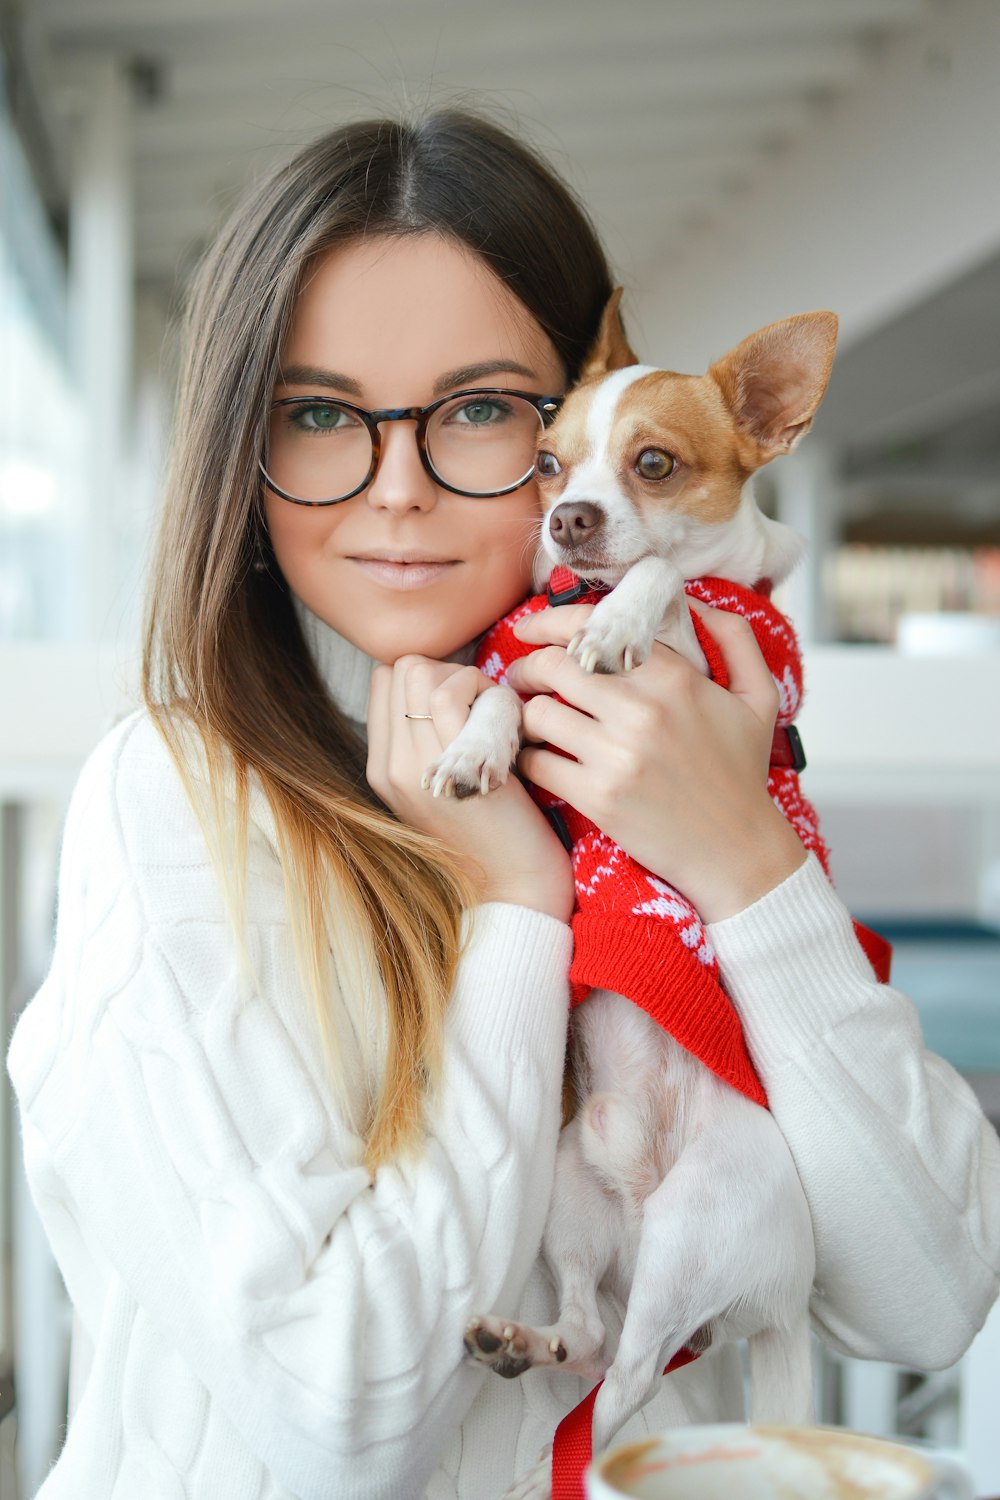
x,y
406,566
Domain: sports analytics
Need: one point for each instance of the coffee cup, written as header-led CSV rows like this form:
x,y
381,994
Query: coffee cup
x,y
727,1460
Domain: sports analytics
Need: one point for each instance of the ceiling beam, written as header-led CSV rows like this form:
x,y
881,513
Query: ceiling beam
x,y
114,22
628,182
177,223
350,80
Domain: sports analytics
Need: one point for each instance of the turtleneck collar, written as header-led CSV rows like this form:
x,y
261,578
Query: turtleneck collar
x,y
344,667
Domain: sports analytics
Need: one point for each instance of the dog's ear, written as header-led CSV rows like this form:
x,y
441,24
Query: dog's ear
x,y
774,381
611,350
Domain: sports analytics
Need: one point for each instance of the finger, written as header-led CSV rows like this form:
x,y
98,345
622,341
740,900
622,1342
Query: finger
x,y
551,670
420,676
749,674
553,773
547,721
553,627
452,699
414,681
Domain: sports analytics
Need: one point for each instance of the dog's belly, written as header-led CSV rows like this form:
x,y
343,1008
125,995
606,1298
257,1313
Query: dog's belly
x,y
641,1094
644,1099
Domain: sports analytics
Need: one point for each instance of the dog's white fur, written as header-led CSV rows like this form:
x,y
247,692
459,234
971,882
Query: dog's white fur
x,y
672,1190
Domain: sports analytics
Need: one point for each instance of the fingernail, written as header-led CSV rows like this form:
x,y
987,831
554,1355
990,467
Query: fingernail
x,y
525,621
512,673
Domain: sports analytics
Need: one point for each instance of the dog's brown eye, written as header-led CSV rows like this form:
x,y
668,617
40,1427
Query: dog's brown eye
x,y
546,464
655,464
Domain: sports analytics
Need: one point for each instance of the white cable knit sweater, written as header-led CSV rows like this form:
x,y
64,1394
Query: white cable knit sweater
x,y
269,1322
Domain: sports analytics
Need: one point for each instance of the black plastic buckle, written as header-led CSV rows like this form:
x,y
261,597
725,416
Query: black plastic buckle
x,y
570,595
798,750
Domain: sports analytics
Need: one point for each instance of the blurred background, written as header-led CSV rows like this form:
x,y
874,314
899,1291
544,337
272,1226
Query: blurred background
x,y
743,160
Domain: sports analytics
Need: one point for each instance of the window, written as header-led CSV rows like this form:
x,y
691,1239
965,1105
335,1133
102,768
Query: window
x,y
41,419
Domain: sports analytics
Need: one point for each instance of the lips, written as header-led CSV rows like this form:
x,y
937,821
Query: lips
x,y
412,556
405,571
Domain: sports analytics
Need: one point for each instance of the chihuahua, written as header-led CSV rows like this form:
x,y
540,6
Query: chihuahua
x,y
673,1190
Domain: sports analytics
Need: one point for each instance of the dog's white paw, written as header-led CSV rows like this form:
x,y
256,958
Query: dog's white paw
x,y
537,1483
609,643
511,1348
470,769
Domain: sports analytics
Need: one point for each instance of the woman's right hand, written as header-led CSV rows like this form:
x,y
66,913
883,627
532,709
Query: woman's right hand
x,y
503,840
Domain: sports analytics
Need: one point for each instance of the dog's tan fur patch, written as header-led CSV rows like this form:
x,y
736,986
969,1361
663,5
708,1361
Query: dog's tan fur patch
x,y
683,415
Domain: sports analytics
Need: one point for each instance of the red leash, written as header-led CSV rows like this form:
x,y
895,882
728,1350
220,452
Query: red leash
x,y
572,1444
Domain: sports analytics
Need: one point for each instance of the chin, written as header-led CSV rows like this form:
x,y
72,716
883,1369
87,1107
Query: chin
x,y
388,647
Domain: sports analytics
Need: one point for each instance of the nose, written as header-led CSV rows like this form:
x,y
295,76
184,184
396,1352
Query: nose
x,y
401,482
574,522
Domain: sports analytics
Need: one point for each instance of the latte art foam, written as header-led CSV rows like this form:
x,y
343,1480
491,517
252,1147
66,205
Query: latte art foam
x,y
762,1463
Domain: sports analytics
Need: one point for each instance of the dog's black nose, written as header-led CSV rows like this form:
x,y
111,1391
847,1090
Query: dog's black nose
x,y
575,522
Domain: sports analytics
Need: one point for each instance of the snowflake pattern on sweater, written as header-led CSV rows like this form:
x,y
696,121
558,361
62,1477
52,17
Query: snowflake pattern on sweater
x,y
634,933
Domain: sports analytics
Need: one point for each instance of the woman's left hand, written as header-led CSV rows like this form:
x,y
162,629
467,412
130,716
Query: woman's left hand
x,y
666,762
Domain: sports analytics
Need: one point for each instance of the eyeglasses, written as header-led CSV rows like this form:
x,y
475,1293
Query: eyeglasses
x,y
479,443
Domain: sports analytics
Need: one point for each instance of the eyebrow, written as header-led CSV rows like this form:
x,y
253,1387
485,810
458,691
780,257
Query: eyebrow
x,y
468,374
314,375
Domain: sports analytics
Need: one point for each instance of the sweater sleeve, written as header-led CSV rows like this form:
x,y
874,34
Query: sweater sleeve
x,y
183,1124
900,1167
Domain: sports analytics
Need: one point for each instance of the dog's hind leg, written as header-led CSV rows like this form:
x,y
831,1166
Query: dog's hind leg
x,y
721,1244
678,1286
583,1234
781,1375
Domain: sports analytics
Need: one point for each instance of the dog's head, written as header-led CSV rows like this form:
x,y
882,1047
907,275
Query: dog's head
x,y
641,460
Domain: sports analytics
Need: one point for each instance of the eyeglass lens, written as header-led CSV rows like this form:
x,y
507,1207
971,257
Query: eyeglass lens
x,y
321,450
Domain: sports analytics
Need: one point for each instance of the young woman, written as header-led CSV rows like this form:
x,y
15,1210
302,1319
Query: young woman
x,y
290,1093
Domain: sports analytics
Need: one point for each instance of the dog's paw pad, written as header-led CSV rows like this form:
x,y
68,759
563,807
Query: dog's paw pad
x,y
505,1347
608,645
468,771
511,1348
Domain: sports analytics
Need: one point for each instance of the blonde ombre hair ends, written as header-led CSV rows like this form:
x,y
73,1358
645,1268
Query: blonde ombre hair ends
x,y
227,675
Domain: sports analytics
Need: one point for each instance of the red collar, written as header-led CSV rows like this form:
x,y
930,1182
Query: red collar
x,y
565,587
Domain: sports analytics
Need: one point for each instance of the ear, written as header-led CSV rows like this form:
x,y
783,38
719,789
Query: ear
x,y
774,381
611,350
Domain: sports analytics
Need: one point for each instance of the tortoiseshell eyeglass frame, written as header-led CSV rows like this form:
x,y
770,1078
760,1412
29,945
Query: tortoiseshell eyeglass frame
x,y
546,406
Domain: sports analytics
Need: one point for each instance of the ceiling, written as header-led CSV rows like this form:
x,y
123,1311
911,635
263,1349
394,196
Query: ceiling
x,y
958,388
656,110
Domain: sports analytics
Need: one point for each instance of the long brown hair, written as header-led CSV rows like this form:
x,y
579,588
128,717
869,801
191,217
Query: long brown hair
x,y
223,651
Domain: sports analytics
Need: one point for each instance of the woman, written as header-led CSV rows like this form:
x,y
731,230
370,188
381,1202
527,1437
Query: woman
x,y
290,1093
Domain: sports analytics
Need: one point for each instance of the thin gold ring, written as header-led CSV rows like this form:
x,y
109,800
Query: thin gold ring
x,y
418,716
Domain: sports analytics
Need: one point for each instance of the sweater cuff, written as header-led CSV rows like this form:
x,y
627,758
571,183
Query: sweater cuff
x,y
512,990
792,965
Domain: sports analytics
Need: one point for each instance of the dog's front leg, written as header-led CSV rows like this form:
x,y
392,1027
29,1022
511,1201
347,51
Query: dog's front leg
x,y
649,603
480,756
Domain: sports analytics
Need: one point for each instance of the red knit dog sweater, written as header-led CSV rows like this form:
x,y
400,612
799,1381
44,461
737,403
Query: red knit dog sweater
x,y
633,932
